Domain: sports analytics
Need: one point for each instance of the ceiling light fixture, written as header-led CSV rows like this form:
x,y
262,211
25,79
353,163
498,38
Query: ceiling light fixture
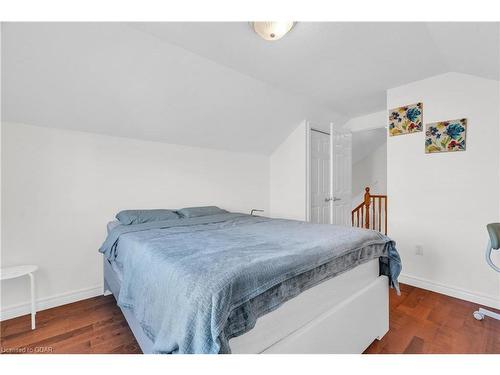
x,y
272,30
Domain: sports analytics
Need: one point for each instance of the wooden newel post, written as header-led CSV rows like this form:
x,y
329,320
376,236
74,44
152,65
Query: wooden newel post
x,y
367,206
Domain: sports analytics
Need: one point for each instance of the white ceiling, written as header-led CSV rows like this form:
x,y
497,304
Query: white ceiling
x,y
113,79
218,84
346,66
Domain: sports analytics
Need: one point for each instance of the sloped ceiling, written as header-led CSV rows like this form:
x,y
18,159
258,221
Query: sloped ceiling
x,y
113,79
367,141
346,66
219,85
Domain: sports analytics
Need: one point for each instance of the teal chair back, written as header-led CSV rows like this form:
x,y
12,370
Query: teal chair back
x,y
494,232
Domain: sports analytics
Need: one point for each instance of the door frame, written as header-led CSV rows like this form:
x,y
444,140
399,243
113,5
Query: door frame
x,y
308,171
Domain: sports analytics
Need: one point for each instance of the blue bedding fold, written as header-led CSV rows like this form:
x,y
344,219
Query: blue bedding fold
x,y
195,283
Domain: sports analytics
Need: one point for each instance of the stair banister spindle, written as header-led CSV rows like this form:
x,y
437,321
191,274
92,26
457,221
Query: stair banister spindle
x,y
372,200
367,205
385,215
379,214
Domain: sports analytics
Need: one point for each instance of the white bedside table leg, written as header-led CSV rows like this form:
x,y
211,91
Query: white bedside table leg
x,y
33,307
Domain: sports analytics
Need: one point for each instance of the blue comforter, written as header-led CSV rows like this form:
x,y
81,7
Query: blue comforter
x,y
195,283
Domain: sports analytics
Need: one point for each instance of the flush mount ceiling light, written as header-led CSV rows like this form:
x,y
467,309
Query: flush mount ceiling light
x,y
272,30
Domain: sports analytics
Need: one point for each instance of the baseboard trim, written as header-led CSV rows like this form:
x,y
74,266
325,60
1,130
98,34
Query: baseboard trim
x,y
49,302
459,293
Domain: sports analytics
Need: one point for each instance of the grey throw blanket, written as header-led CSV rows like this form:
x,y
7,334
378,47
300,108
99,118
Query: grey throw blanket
x,y
195,283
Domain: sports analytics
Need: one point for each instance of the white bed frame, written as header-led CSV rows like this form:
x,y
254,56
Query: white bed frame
x,y
342,315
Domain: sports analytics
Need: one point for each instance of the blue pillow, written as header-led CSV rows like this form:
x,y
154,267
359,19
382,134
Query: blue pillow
x,y
128,217
189,212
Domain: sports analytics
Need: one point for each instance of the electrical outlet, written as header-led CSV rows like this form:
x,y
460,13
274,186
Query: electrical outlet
x,y
419,250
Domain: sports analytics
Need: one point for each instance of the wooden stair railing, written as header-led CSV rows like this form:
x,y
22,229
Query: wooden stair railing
x,y
361,217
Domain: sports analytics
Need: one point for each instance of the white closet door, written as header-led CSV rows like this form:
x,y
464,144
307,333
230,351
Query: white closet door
x,y
341,146
320,177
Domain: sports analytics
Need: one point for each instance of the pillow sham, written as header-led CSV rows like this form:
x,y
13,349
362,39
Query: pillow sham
x,y
189,212
128,217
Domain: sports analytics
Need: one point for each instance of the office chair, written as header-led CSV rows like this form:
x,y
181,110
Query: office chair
x,y
493,244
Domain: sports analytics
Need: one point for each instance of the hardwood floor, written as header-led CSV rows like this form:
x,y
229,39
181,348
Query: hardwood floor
x,y
426,322
420,322
94,325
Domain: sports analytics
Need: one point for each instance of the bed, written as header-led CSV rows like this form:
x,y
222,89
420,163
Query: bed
x,y
236,283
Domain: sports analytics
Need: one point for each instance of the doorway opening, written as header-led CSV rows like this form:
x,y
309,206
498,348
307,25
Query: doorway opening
x,y
369,163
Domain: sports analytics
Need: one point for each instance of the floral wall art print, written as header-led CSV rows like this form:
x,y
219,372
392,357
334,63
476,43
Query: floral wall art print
x,y
407,119
445,136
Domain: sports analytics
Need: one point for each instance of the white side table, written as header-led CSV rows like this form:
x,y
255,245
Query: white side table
x,y
19,271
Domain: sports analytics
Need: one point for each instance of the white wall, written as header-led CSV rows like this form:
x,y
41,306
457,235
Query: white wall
x,y
444,201
288,176
61,187
370,171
